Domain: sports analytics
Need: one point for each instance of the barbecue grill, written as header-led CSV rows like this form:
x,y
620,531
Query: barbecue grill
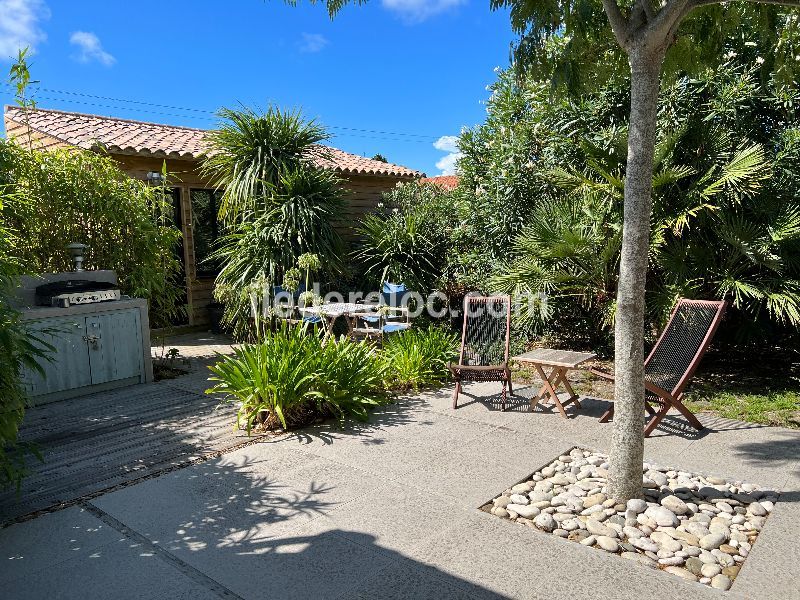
x,y
76,291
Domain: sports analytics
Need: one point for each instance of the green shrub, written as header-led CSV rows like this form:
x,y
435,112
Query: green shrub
x,y
64,196
350,378
290,378
18,349
411,239
419,357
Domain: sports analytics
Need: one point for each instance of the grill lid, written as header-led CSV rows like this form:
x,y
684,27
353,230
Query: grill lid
x,y
71,286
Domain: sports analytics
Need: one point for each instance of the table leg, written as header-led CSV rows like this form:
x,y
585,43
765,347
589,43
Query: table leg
x,y
562,379
329,323
550,390
552,381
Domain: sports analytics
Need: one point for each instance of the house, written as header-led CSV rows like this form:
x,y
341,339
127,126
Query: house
x,y
446,182
142,148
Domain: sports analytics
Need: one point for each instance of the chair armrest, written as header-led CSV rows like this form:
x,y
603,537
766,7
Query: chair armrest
x,y
658,391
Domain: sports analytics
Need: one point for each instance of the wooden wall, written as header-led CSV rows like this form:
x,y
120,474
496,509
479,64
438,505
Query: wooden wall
x,y
364,193
38,140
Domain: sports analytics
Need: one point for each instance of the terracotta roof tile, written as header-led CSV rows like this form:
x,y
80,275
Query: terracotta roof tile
x,y
448,182
124,136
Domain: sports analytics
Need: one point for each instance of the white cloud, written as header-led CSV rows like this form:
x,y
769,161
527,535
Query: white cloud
x,y
19,25
90,48
448,143
313,42
415,11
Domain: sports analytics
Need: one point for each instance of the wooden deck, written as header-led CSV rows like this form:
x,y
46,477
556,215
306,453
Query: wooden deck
x,y
97,442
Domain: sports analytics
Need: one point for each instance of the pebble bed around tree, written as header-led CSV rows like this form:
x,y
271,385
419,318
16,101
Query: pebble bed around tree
x,y
696,527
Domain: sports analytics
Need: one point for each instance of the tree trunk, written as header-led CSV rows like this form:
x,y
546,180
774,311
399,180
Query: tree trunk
x,y
627,445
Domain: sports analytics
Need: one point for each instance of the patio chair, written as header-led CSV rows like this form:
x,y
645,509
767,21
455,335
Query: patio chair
x,y
672,361
484,343
393,318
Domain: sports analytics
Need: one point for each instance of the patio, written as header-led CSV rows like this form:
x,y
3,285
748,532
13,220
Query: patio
x,y
387,509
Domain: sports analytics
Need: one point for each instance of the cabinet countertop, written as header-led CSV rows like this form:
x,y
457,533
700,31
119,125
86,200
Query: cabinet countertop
x,y
48,312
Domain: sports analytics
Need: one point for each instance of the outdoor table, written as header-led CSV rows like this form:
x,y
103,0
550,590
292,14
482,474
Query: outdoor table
x,y
561,362
331,311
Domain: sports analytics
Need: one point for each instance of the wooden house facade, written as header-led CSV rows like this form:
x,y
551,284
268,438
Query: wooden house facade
x,y
141,149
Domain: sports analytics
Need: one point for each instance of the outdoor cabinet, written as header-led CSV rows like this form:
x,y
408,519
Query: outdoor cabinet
x,y
93,351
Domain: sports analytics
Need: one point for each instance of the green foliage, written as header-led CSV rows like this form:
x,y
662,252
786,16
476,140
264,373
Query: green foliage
x,y
411,239
64,196
18,349
419,357
725,198
571,46
290,378
251,152
278,205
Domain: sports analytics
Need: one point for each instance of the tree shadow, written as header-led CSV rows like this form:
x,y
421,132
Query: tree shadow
x,y
101,441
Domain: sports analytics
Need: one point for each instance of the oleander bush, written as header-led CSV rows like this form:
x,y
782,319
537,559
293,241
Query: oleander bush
x,y
548,176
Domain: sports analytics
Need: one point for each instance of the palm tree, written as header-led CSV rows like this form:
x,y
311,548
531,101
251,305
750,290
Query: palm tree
x,y
277,203
718,231
249,152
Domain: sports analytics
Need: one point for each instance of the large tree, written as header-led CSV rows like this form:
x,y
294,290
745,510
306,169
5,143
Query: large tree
x,y
645,30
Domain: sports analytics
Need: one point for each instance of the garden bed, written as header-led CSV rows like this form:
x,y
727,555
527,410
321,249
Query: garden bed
x,y
697,527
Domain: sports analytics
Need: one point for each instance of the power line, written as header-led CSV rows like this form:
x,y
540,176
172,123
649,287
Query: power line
x,y
213,115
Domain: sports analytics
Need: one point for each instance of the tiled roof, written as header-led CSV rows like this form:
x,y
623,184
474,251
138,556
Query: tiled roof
x,y
448,182
124,136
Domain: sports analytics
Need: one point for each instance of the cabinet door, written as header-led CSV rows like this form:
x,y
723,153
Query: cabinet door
x,y
115,345
69,365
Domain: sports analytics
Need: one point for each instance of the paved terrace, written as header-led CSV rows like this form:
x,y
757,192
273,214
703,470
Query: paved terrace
x,y
387,509
108,439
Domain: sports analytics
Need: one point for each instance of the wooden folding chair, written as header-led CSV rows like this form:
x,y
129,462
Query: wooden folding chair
x,y
485,342
672,361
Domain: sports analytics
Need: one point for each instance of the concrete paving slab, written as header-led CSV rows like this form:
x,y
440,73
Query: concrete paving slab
x,y
382,453
407,580
773,565
479,402
440,431
469,479
219,504
519,562
51,539
72,554
398,518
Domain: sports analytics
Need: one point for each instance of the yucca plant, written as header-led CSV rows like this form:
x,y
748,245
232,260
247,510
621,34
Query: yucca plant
x,y
277,204
251,151
419,357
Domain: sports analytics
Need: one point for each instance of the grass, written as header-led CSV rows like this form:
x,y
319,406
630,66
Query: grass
x,y
773,408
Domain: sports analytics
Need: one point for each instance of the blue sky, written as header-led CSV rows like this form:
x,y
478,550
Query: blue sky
x,y
393,76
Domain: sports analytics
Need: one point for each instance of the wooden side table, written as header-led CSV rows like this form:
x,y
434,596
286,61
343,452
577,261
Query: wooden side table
x,y
560,361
